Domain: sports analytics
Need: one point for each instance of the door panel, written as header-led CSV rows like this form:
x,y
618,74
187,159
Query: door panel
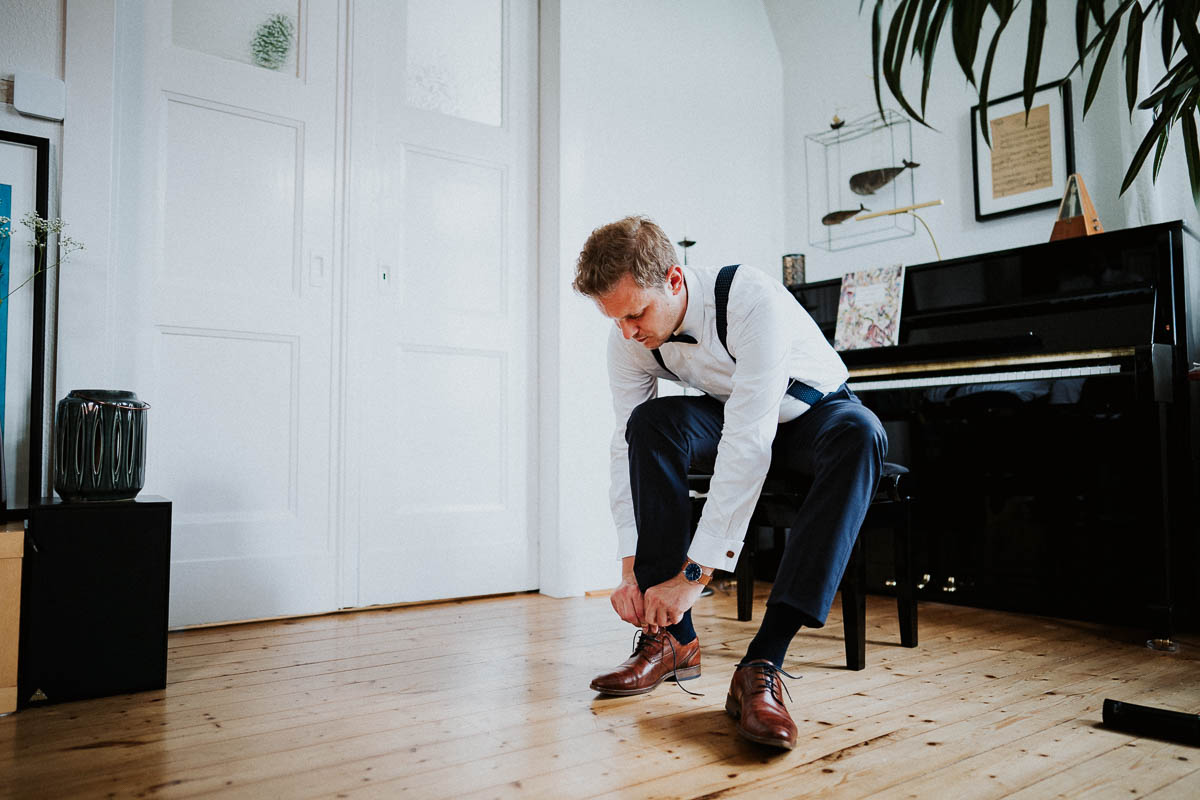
x,y
228,178
443,191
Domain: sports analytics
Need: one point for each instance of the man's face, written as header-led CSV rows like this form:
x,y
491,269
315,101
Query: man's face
x,y
648,316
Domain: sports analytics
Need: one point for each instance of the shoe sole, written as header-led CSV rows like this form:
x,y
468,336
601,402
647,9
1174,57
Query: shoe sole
x,y
734,710
685,674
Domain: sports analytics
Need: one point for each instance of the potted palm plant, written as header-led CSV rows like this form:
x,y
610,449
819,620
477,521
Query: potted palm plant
x,y
898,25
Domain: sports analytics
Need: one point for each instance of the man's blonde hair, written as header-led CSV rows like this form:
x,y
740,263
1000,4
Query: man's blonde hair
x,y
630,246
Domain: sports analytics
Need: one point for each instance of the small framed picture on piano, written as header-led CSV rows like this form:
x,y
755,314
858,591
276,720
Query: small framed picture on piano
x,y
1027,164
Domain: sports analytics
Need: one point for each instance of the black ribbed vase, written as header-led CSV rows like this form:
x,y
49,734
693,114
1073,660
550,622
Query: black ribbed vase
x,y
100,445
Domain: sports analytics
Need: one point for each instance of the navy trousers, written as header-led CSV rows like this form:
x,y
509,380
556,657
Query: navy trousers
x,y
838,442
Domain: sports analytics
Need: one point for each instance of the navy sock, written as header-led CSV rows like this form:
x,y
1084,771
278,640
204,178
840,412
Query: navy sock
x,y
683,630
779,626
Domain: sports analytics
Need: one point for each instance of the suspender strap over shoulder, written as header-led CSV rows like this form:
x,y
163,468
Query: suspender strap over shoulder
x,y
658,357
721,290
801,391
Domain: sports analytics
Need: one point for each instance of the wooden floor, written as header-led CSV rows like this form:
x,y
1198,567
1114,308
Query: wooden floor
x,y
489,698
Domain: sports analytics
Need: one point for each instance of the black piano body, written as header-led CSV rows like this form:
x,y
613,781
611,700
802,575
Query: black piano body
x,y
1041,396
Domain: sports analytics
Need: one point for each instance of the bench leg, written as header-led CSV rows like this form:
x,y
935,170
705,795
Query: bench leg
x,y
906,600
743,573
854,608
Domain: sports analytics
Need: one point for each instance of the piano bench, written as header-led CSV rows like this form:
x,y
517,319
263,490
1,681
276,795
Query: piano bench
x,y
777,505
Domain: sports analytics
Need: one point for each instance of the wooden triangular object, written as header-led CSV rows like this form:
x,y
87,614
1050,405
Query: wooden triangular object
x,y
1076,214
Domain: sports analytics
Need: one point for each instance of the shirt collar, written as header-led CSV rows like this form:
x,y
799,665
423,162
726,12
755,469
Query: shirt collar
x,y
693,317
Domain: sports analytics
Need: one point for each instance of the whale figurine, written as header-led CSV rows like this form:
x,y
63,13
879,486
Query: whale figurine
x,y
837,217
874,179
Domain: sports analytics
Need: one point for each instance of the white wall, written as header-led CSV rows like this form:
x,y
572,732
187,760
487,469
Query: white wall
x,y
826,52
31,39
671,109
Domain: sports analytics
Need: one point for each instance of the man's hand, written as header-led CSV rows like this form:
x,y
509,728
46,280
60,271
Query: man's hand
x,y
666,603
627,597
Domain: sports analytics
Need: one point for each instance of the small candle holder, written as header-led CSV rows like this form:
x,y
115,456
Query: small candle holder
x,y
793,270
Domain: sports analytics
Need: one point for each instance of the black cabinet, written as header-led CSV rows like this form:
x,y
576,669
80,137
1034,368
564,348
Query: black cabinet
x,y
95,584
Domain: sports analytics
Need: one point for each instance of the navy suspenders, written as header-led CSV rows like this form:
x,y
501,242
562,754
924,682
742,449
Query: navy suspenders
x,y
801,391
658,357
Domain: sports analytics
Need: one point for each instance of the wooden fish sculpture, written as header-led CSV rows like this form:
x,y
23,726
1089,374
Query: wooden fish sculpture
x,y
874,179
837,217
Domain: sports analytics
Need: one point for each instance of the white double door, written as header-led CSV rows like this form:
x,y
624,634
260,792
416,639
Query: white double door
x,y
330,269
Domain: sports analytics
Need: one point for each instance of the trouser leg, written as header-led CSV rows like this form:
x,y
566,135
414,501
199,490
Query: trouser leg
x,y
665,436
841,444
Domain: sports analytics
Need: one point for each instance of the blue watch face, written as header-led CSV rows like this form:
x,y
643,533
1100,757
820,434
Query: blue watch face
x,y
693,572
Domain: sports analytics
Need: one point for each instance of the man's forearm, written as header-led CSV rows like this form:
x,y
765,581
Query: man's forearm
x,y
627,568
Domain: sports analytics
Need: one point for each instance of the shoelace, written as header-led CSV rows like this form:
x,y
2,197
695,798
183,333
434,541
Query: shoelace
x,y
768,676
641,640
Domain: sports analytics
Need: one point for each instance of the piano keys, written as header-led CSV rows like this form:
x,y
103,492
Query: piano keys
x,y
977,378
1040,395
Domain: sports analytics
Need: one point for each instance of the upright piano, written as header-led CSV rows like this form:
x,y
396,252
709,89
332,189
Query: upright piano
x,y
1041,396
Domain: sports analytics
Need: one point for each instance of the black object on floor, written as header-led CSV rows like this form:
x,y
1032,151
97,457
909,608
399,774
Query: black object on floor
x,y
1157,723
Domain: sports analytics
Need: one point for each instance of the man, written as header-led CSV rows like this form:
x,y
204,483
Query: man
x,y
774,393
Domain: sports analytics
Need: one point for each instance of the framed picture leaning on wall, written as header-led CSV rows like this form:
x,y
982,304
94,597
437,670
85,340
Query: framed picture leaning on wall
x,y
24,188
1028,162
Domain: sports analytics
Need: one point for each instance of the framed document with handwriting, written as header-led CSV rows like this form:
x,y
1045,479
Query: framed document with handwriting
x,y
1027,164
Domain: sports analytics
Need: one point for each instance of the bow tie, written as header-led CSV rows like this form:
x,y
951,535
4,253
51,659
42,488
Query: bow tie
x,y
682,338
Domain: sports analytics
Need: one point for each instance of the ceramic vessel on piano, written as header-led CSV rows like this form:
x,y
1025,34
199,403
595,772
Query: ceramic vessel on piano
x,y
100,445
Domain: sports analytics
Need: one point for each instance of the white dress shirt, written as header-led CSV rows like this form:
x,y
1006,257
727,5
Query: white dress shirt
x,y
774,340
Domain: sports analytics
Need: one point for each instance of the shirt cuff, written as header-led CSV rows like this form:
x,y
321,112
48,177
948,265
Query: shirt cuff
x,y
626,542
715,551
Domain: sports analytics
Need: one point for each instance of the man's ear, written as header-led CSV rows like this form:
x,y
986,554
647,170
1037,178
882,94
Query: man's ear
x,y
675,281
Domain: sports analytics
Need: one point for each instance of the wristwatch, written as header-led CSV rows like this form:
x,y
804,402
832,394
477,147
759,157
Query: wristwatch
x,y
694,573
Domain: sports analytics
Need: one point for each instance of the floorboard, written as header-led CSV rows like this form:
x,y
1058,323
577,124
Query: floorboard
x,y
489,699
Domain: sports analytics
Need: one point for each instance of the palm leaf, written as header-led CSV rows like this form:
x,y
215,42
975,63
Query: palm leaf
x,y
1081,26
1159,153
1097,9
1110,36
931,40
922,26
965,23
1170,83
1133,56
876,23
909,17
1160,127
1188,35
1033,57
987,79
893,53
1168,34
1115,21
1192,148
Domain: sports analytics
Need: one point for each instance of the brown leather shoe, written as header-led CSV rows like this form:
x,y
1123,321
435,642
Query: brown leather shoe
x,y
656,658
756,701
